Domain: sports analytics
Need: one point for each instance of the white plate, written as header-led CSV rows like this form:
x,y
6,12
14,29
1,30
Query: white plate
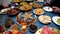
x,y
55,19
44,19
20,15
49,9
42,12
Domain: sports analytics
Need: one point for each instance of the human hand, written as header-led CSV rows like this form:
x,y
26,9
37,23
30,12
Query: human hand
x,y
47,3
56,9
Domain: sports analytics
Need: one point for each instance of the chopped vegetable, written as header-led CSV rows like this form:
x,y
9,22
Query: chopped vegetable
x,y
58,21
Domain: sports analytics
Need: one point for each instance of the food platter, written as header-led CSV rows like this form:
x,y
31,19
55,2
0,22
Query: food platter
x,y
38,11
53,29
13,12
56,20
44,19
39,31
27,18
24,6
24,22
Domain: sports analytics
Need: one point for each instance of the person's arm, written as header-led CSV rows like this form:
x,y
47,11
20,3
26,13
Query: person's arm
x,y
49,3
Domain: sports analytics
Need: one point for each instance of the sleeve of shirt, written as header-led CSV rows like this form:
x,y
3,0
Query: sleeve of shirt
x,y
52,3
58,14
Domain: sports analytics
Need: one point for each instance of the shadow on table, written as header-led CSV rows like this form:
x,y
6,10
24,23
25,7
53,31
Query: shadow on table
x,y
56,13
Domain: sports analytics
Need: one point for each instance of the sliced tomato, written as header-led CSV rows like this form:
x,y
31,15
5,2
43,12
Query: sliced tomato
x,y
46,30
50,31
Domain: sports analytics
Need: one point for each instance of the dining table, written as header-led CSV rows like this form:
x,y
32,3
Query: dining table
x,y
37,23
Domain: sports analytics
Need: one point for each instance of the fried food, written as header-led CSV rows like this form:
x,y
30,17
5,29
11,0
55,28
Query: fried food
x,y
25,6
23,3
22,8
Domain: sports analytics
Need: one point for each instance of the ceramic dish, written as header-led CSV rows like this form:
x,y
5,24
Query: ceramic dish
x,y
25,21
44,19
33,28
38,11
48,9
13,12
56,20
50,30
